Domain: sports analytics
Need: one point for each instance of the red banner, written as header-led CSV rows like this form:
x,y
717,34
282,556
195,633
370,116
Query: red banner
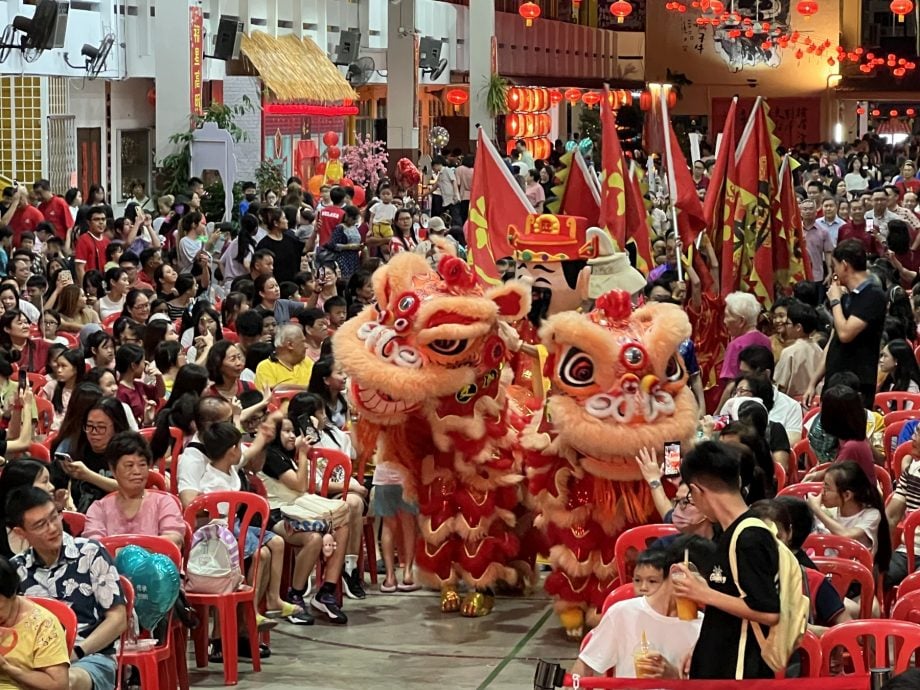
x,y
795,120
196,59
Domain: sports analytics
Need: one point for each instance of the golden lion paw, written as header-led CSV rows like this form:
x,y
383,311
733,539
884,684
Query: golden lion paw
x,y
450,600
573,620
476,604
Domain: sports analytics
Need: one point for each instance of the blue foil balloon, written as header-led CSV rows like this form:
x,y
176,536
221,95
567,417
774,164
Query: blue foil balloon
x,y
570,145
156,583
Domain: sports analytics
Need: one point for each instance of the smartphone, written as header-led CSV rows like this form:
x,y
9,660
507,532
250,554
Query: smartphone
x,y
63,457
23,381
721,421
672,458
322,274
306,428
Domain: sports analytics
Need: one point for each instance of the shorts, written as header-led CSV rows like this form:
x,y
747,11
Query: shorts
x,y
252,538
101,668
388,501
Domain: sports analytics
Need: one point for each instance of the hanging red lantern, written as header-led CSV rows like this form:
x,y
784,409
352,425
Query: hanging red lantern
x,y
513,125
621,9
645,101
333,153
807,8
717,6
893,112
672,98
331,138
457,97
513,98
910,112
573,95
591,98
899,71
860,111
529,11
555,96
876,112
901,8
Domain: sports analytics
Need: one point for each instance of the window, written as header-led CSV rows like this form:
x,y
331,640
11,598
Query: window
x,y
135,160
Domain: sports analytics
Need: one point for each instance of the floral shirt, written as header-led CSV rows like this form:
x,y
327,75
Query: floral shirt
x,y
84,576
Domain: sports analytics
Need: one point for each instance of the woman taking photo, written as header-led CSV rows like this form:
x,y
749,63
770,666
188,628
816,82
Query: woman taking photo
x,y
328,382
131,509
225,363
117,286
898,367
234,262
69,369
90,477
268,297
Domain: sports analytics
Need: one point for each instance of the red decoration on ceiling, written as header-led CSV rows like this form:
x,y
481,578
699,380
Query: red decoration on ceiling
x,y
572,95
457,97
621,9
901,8
298,109
591,98
555,96
529,11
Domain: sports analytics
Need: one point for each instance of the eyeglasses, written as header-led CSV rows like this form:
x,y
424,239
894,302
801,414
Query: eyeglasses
x,y
96,428
682,503
51,521
743,391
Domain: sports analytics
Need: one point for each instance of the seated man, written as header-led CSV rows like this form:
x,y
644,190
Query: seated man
x,y
75,570
615,640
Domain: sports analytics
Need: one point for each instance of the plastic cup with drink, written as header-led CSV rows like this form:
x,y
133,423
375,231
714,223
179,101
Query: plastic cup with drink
x,y
687,609
642,655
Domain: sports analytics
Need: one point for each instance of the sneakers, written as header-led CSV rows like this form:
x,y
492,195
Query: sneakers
x,y
354,585
325,603
303,618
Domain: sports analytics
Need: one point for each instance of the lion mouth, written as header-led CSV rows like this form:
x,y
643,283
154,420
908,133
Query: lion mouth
x,y
376,402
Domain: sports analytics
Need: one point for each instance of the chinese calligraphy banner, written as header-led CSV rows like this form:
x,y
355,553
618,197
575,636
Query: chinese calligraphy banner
x,y
196,59
796,120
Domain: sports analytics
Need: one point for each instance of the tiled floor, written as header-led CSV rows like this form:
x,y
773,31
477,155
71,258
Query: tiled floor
x,y
404,641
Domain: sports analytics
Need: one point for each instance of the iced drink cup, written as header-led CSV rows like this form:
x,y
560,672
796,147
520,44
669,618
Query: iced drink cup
x,y
687,609
641,653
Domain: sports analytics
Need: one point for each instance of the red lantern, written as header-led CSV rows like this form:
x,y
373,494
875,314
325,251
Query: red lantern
x,y
672,98
621,9
331,138
860,111
457,97
591,99
645,101
899,72
901,8
333,153
893,112
555,97
573,95
717,6
807,8
513,98
876,112
152,96
529,11
910,112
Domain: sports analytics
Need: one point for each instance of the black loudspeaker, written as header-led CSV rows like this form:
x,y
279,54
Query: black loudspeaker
x,y
227,41
429,53
380,129
349,45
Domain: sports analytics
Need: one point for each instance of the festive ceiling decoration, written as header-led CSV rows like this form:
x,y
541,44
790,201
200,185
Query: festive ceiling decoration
x,y
620,9
457,97
901,8
892,112
807,8
529,11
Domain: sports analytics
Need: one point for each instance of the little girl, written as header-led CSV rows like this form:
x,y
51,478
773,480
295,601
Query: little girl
x,y
68,368
139,395
396,513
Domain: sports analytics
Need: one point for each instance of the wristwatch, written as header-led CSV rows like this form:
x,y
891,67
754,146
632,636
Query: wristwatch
x,y
834,303
654,484
78,651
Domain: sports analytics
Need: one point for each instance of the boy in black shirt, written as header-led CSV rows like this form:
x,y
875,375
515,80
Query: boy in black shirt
x,y
712,471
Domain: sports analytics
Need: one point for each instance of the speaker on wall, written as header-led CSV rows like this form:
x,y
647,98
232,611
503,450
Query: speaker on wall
x,y
227,41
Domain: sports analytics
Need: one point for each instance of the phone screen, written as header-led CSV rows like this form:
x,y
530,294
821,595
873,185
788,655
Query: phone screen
x,y
305,426
672,458
23,380
63,457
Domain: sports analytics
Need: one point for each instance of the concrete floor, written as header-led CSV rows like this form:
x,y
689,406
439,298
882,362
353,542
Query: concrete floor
x,y
404,641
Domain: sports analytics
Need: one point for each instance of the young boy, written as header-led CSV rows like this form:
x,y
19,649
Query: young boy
x,y
653,614
382,215
336,309
802,357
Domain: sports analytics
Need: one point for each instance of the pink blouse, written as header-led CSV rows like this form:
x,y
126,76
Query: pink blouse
x,y
159,513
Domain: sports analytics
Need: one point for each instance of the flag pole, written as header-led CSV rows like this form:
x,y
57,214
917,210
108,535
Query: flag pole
x,y
672,181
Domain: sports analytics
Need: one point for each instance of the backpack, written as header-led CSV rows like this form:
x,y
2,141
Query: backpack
x,y
214,561
794,606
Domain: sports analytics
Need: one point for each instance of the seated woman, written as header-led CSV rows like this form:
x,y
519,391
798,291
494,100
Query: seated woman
x,y
898,368
225,363
105,379
86,467
308,415
100,348
69,369
140,385
826,445
39,657
131,509
843,417
327,380
20,347
75,313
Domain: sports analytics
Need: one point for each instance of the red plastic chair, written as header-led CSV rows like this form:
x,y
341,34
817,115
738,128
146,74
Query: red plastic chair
x,y
621,593
894,401
177,437
62,611
901,416
227,605
906,638
843,573
907,608
155,480
835,546
909,584
153,664
802,489
810,647
897,459
810,414
281,398
334,459
637,539
45,416
909,529
884,480
39,451
890,439
73,341
780,473
230,334
802,450
108,323
36,381
75,522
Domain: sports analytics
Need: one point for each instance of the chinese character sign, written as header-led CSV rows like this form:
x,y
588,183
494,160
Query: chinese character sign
x,y
196,58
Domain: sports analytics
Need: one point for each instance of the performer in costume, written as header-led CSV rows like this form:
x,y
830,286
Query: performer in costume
x,y
424,366
618,385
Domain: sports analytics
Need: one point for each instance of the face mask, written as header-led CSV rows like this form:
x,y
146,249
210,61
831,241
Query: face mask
x,y
685,518
250,197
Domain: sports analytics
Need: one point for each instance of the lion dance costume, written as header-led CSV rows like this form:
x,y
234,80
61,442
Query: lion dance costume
x,y
424,366
618,385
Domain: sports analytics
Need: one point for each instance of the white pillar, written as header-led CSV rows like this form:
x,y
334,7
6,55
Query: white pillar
x,y
172,61
481,31
402,81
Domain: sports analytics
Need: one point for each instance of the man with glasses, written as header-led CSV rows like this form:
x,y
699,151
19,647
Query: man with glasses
x,y
89,254
77,571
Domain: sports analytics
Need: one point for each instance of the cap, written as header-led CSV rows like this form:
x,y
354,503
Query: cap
x,y
86,332
549,238
436,224
613,272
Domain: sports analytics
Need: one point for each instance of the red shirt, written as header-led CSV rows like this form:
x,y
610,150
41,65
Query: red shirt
x,y
57,212
329,218
91,252
26,219
853,231
904,186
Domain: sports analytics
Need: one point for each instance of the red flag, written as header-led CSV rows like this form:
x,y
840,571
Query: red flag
x,y
613,177
580,194
792,262
638,221
496,202
718,206
690,221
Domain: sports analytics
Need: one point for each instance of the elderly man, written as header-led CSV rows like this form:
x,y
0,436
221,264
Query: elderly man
x,y
289,368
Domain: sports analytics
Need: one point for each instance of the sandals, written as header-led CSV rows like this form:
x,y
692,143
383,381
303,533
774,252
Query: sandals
x,y
263,623
408,587
286,611
388,589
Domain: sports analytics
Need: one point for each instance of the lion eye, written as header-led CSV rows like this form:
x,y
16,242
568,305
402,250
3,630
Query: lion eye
x,y
577,369
674,371
449,347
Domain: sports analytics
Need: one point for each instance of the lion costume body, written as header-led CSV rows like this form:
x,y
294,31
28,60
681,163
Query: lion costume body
x,y
618,385
424,367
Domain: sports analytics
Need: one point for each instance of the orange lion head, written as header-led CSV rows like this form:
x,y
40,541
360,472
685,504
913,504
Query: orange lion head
x,y
431,334
619,383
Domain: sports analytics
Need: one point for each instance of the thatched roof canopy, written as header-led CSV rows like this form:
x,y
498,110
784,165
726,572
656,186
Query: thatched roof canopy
x,y
295,69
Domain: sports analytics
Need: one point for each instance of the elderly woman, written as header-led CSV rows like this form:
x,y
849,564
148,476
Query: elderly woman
x,y
131,509
741,312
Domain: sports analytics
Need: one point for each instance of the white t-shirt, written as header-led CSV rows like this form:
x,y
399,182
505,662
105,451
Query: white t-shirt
x,y
384,213
867,520
192,465
620,632
107,307
787,412
217,480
